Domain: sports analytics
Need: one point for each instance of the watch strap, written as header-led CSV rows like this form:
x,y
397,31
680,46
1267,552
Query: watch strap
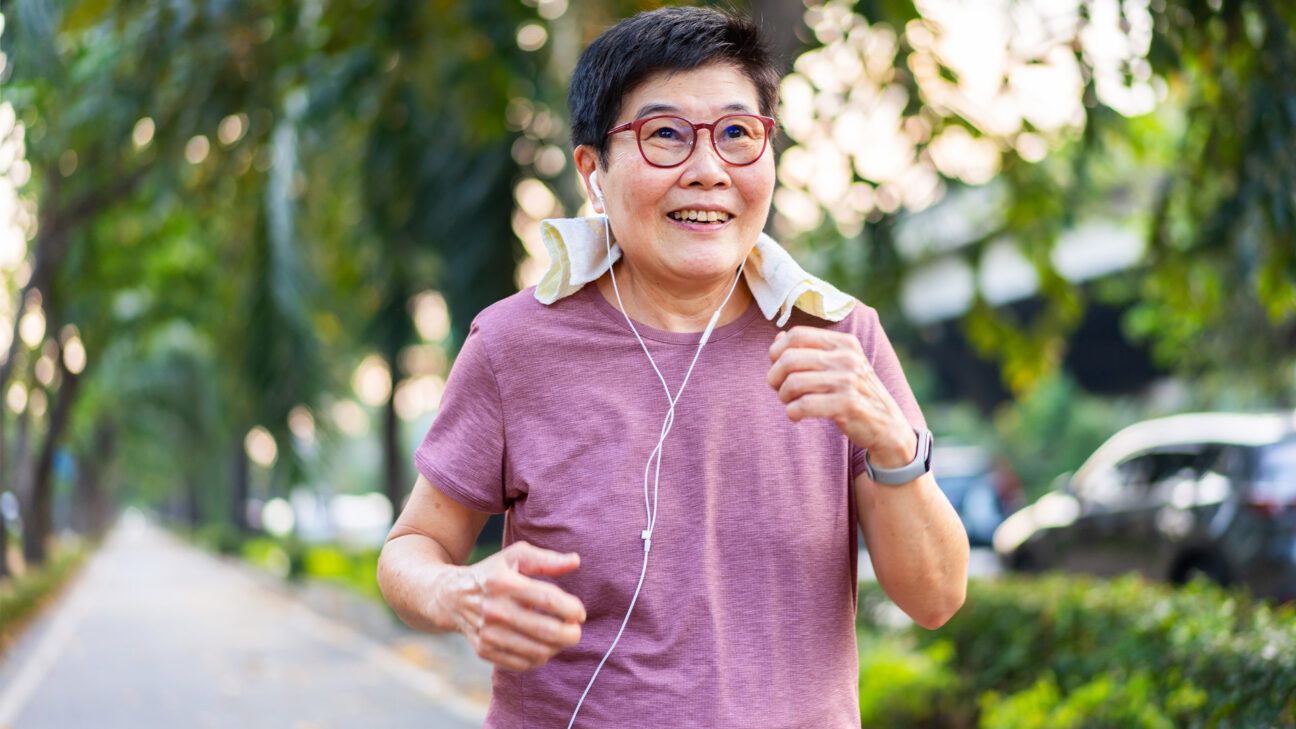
x,y
920,464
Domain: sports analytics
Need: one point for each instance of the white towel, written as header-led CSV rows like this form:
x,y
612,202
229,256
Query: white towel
x,y
578,254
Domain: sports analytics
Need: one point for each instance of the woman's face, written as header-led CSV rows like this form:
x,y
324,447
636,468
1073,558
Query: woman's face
x,y
642,202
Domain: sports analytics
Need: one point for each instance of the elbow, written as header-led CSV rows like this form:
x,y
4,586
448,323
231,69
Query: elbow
x,y
383,574
942,609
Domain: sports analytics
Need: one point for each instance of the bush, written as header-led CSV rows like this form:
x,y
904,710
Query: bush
x,y
356,570
1059,651
901,686
220,537
1107,702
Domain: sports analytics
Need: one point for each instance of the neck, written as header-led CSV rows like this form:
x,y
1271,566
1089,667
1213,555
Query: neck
x,y
674,306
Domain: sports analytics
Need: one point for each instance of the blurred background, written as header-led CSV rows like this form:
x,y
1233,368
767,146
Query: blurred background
x,y
241,242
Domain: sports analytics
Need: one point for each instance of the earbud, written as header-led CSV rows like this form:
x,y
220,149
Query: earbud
x,y
598,191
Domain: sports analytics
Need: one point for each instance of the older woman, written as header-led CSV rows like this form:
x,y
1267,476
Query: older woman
x,y
683,477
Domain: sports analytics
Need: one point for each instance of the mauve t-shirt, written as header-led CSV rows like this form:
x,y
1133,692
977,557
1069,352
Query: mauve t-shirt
x,y
746,617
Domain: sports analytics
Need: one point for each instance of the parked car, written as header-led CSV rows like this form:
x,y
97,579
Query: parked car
x,y
1206,493
981,488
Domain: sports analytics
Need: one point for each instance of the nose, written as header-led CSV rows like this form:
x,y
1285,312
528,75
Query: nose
x,y
704,167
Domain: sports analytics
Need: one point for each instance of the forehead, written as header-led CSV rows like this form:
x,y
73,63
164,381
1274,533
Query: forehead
x,y
702,92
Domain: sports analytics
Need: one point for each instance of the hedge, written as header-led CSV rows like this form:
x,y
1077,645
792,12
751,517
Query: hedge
x,y
1062,651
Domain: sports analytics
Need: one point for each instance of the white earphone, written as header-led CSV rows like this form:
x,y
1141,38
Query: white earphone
x,y
651,510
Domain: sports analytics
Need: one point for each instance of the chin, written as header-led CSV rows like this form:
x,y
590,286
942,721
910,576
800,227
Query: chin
x,y
707,267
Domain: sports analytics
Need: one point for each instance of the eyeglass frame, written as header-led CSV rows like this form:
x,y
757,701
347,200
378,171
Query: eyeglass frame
x,y
636,125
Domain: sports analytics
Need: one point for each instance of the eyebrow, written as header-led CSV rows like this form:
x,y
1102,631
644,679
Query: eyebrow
x,y
659,108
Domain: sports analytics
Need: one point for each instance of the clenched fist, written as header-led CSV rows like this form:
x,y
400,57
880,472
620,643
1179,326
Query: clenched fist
x,y
819,373
511,619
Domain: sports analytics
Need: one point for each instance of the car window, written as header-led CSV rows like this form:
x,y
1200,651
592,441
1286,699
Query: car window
x,y
1138,477
1278,463
1276,473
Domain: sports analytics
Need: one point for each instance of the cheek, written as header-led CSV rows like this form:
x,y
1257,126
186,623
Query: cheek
x,y
757,189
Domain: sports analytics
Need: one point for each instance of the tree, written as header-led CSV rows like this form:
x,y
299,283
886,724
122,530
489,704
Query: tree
x,y
1176,118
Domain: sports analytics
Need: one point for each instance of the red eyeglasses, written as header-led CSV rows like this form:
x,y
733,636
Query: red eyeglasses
x,y
668,141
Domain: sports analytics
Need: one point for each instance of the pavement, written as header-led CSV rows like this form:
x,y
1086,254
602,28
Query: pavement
x,y
154,632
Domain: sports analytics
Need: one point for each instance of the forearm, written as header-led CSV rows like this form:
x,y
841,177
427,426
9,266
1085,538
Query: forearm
x,y
418,579
918,547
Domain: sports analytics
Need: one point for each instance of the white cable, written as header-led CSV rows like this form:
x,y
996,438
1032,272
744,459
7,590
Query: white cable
x,y
667,423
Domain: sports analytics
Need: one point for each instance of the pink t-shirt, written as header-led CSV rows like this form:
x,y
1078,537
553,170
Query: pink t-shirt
x,y
747,613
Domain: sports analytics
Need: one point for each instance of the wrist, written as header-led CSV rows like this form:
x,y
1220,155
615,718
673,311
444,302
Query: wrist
x,y
896,450
448,592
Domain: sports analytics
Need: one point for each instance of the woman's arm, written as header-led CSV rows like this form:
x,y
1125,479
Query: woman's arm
x,y
915,539
509,618
917,544
431,538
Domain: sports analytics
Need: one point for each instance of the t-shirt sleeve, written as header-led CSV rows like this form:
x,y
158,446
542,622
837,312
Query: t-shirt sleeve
x,y
463,451
878,349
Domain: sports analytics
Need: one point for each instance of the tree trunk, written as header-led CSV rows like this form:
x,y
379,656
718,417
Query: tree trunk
x,y
4,545
36,532
91,516
22,467
393,461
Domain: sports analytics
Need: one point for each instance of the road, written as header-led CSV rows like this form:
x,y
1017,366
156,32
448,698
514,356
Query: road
x,y
156,633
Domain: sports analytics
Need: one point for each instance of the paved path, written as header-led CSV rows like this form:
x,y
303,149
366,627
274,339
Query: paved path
x,y
155,633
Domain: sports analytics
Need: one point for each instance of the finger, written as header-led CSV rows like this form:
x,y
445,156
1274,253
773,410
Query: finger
x,y
532,560
504,638
537,626
818,405
804,336
504,659
795,360
541,595
804,382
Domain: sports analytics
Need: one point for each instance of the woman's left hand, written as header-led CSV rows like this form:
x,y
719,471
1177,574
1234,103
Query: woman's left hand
x,y
820,373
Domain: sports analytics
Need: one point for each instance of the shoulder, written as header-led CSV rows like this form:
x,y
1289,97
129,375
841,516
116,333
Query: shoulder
x,y
517,326
862,322
520,314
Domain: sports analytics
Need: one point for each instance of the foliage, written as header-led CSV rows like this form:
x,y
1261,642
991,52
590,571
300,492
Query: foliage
x,y
21,595
1181,126
1062,650
1054,429
1108,701
901,686
354,569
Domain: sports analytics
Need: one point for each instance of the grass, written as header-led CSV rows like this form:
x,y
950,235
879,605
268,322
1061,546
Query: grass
x,y
22,596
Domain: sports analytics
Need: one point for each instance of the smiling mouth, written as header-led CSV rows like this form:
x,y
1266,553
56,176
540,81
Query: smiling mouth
x,y
706,217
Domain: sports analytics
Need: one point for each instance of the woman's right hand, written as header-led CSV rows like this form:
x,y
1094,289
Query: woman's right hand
x,y
512,620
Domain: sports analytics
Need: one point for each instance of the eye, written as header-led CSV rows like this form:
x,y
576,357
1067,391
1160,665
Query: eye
x,y
734,131
665,133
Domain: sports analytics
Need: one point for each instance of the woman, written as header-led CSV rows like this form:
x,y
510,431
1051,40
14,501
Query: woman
x,y
683,478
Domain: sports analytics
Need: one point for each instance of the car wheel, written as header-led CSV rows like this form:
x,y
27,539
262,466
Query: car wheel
x,y
1206,567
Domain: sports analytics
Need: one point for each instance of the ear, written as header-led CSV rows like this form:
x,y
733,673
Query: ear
x,y
586,160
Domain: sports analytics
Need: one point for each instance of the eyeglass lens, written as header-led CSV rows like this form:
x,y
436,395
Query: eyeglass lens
x,y
668,140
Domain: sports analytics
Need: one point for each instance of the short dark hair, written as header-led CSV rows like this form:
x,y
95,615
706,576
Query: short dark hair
x,y
664,40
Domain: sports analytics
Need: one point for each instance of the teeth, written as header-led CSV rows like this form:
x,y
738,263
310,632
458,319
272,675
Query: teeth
x,y
701,216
